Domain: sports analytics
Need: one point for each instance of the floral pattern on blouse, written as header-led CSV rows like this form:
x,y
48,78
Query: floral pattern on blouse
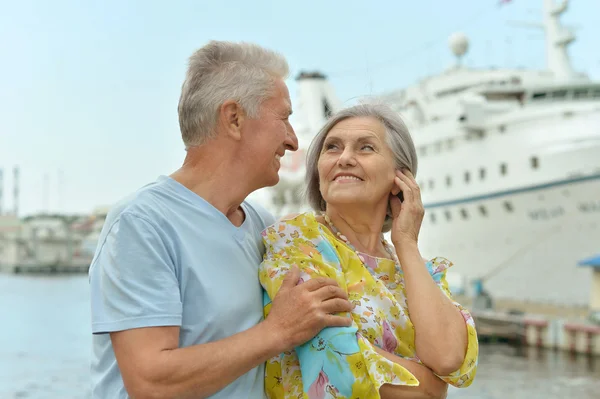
x,y
341,362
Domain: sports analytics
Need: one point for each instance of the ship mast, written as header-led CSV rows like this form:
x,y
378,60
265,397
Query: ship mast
x,y
558,37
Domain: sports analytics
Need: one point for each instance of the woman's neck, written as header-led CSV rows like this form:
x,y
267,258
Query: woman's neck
x,y
362,229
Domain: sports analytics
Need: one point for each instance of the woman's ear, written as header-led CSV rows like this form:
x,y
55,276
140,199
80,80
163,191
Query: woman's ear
x,y
395,188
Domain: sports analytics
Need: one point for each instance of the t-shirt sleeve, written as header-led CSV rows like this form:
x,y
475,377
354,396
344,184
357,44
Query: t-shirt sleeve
x,y
133,280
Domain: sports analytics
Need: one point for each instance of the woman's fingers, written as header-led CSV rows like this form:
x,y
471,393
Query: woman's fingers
x,y
407,177
405,188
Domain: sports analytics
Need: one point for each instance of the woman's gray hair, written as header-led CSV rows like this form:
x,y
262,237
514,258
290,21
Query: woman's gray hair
x,y
221,71
398,139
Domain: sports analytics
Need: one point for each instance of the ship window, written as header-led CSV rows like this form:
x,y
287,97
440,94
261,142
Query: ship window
x,y
503,169
535,163
559,94
501,128
464,214
448,215
451,91
508,206
596,93
432,217
482,173
580,93
467,177
431,184
483,210
539,96
448,181
326,109
450,144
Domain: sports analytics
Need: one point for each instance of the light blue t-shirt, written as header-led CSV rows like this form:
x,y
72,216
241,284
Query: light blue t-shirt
x,y
166,257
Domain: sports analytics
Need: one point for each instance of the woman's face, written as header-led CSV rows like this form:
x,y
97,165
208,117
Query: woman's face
x,y
356,165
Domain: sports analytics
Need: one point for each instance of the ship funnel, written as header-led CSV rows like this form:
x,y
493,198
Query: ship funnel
x,y
316,103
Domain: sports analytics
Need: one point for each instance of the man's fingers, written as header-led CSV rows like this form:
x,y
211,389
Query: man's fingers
x,y
337,321
336,305
319,282
291,278
329,292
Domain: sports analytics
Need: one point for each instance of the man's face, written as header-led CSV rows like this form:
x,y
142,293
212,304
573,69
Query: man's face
x,y
269,136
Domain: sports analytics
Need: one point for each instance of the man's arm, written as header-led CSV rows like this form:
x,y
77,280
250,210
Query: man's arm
x,y
153,366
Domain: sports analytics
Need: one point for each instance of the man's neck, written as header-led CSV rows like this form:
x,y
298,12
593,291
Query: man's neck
x,y
216,177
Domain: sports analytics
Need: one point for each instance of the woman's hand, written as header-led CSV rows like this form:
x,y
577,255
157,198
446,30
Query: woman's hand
x,y
407,215
430,386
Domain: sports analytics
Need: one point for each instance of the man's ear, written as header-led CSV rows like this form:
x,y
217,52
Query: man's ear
x,y
231,119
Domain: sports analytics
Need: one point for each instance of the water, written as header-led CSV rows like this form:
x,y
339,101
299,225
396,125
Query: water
x,y
45,351
45,337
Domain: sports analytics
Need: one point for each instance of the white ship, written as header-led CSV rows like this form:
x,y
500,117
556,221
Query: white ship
x,y
509,166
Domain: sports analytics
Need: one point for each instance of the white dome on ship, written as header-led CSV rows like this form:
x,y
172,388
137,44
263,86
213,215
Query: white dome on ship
x,y
459,43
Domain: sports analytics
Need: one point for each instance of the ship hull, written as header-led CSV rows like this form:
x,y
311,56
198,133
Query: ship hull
x,y
530,252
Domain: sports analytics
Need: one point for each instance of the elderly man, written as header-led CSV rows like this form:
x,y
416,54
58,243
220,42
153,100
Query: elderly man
x,y
177,308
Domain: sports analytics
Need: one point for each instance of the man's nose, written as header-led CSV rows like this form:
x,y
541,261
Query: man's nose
x,y
291,141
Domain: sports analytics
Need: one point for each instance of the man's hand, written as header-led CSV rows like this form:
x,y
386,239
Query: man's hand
x,y
299,312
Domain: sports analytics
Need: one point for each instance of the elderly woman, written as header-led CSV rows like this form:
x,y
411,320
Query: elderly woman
x,y
408,338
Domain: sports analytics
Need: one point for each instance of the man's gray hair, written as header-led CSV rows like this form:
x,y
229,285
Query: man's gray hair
x,y
221,71
398,139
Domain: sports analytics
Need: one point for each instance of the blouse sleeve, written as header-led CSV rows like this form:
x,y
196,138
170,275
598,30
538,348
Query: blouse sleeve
x,y
463,377
338,359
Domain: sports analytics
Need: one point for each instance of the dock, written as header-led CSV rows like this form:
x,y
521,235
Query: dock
x,y
55,268
51,269
542,331
500,327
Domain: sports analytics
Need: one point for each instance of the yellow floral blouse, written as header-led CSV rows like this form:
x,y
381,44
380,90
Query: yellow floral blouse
x,y
340,362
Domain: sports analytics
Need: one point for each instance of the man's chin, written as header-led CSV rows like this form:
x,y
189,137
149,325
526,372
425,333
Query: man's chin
x,y
272,181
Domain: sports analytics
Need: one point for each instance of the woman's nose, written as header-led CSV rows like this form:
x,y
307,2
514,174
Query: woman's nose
x,y
347,158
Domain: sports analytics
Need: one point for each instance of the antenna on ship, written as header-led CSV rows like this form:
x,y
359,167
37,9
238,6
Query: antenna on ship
x,y
16,190
45,193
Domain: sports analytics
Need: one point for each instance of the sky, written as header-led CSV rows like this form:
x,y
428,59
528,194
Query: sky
x,y
89,89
